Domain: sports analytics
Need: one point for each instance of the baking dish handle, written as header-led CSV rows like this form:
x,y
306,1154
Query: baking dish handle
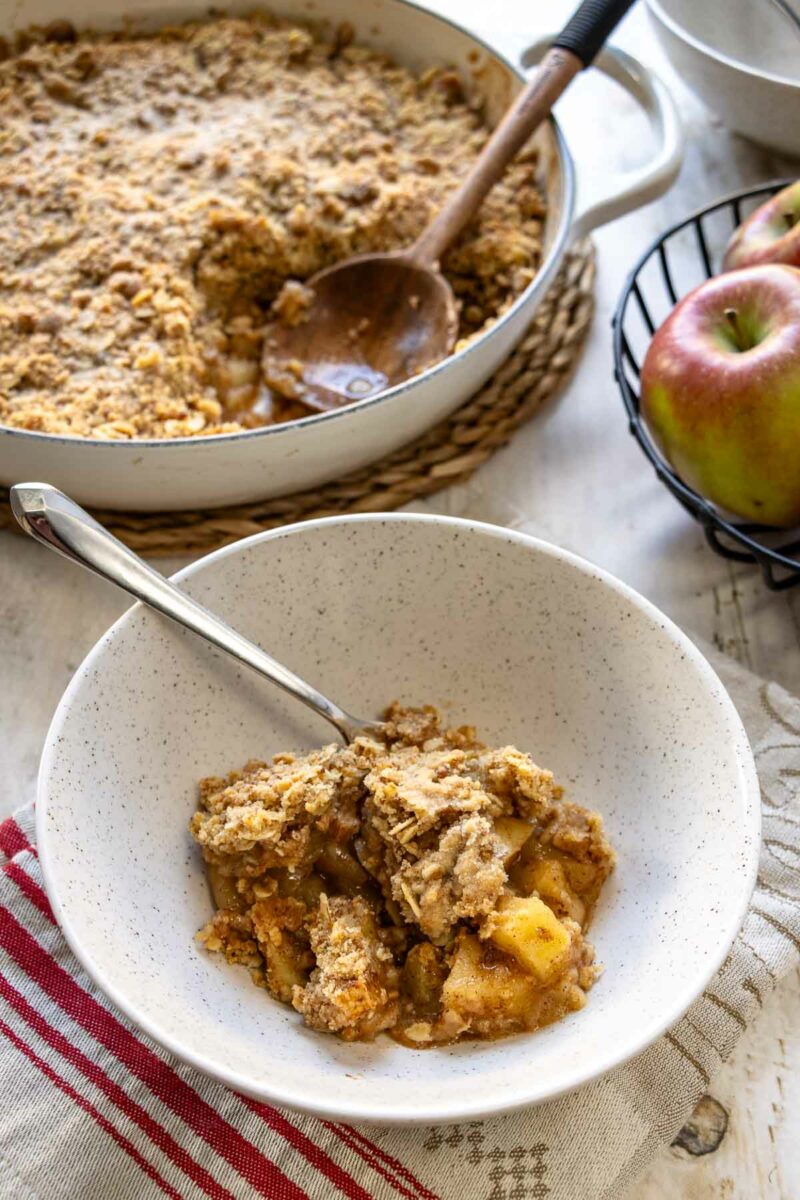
x,y
622,193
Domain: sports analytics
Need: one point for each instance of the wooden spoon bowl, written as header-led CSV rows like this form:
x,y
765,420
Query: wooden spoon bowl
x,y
374,321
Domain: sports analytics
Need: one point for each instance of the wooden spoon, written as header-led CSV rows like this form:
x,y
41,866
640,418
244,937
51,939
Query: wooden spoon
x,y
377,319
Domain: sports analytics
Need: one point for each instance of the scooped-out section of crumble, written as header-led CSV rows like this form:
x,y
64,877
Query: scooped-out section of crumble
x,y
166,194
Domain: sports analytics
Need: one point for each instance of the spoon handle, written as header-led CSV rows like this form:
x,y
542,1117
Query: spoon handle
x,y
53,519
574,48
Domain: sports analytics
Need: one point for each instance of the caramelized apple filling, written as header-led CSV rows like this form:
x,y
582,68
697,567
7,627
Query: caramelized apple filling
x,y
416,882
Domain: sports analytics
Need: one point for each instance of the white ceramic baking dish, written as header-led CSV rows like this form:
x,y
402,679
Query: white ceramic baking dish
x,y
186,473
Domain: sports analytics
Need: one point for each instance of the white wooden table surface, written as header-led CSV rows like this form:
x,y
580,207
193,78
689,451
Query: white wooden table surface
x,y
575,477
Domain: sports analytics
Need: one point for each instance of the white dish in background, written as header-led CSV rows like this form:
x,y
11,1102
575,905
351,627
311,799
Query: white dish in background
x,y
201,472
742,58
532,644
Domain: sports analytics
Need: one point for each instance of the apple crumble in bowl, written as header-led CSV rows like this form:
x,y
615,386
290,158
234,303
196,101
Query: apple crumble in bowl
x,y
538,649
420,884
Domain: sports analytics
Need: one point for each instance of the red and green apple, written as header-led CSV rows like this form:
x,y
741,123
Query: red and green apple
x,y
720,392
769,235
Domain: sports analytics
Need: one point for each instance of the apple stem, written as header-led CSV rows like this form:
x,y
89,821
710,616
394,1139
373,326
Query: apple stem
x,y
740,337
790,219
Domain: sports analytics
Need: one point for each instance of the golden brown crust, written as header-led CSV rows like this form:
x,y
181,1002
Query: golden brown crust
x,y
266,813
353,987
460,878
159,191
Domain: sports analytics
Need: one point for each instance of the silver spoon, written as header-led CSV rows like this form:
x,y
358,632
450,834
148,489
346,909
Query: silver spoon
x,y
53,519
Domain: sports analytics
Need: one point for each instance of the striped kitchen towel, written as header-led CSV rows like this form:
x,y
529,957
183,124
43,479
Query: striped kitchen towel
x,y
92,1110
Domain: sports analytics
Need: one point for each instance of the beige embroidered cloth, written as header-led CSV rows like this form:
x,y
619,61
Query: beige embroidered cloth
x,y
91,1110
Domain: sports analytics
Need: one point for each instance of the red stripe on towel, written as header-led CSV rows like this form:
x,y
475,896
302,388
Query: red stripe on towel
x,y
89,1108
164,1082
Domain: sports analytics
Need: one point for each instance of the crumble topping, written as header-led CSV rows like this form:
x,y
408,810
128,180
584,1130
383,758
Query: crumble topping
x,y
164,192
414,881
353,987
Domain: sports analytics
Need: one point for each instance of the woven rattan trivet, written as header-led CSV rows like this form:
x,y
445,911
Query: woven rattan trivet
x,y
449,453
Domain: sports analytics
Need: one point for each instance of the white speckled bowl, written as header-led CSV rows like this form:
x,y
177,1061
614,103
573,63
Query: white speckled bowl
x,y
741,58
535,646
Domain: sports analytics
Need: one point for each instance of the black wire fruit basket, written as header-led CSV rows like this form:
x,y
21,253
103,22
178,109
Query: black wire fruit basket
x,y
678,261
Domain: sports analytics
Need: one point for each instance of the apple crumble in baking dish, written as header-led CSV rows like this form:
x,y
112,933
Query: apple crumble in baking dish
x,y
162,192
419,883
